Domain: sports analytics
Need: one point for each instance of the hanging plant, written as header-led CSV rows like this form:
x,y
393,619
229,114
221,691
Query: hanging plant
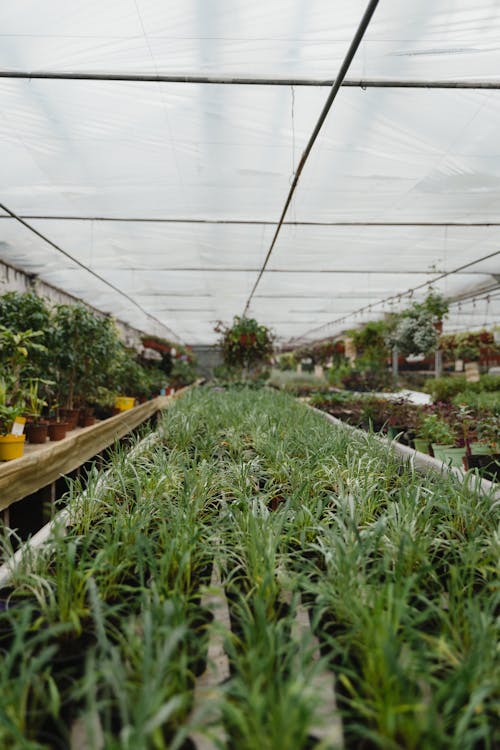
x,y
246,343
414,334
436,305
417,329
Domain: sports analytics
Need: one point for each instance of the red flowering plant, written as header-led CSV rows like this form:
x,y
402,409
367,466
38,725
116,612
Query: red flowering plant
x,y
246,343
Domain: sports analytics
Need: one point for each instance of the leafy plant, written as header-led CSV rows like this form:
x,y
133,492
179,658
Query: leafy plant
x,y
183,373
28,312
415,330
15,350
246,343
488,431
371,345
433,429
84,346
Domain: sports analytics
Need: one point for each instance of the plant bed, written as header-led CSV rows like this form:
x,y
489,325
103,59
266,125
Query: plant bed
x,y
397,569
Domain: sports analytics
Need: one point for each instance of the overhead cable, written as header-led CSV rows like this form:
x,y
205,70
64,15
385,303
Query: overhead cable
x,y
396,296
256,222
221,80
70,257
367,16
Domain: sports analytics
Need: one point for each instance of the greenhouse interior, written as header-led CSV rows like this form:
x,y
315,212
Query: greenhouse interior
x,y
250,375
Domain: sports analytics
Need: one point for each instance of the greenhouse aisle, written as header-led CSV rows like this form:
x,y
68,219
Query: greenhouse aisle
x,y
273,226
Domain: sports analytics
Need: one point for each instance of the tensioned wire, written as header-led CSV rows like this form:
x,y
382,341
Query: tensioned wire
x,y
396,296
360,32
70,257
221,80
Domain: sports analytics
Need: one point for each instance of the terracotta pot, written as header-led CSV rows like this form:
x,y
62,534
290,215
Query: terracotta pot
x,y
70,416
86,417
37,432
58,430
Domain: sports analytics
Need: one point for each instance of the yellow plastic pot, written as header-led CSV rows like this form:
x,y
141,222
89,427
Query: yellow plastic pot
x,y
11,446
124,402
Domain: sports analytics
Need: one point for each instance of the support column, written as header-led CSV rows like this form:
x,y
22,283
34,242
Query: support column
x,y
438,363
395,363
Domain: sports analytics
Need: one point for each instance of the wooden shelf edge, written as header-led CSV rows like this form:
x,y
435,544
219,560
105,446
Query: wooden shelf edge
x,y
23,476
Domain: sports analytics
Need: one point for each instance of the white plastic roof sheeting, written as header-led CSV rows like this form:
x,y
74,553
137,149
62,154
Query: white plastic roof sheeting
x,y
171,192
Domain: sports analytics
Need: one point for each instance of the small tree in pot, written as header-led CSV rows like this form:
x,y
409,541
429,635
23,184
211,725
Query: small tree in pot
x,y
84,346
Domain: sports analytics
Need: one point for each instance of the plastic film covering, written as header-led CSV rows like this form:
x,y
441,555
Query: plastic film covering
x,y
171,191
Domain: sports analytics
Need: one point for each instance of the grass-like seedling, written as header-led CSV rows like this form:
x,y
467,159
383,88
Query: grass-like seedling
x,y
399,573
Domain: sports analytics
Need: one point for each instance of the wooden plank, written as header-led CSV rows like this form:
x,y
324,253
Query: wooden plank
x,y
328,727
37,469
62,518
86,734
207,691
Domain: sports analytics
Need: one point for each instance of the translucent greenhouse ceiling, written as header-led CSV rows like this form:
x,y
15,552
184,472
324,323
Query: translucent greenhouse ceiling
x,y
170,191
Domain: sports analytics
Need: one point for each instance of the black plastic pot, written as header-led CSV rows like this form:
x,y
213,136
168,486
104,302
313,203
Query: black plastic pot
x,y
488,465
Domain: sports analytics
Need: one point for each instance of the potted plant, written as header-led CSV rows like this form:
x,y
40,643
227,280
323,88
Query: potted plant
x,y
433,431
467,346
84,347
245,344
11,442
15,348
486,455
57,427
401,419
416,330
36,428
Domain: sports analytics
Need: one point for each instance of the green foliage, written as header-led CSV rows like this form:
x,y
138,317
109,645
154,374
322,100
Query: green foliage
x,y
287,361
482,402
488,429
16,349
28,312
129,376
436,305
183,373
414,330
23,311
336,374
304,521
84,347
298,383
372,350
443,389
365,379
434,429
246,343
446,388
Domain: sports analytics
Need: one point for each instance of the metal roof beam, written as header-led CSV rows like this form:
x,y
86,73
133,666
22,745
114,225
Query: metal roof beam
x,y
221,80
